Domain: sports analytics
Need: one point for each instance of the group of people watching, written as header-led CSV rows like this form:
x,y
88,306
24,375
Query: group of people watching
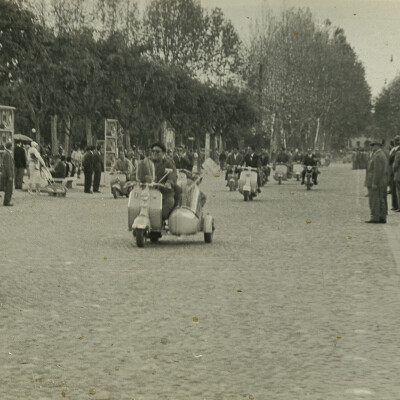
x,y
383,171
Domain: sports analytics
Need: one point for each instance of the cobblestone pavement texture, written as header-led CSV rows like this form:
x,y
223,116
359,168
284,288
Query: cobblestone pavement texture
x,y
297,298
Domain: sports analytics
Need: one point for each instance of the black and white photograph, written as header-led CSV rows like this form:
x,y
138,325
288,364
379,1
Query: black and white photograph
x,y
199,199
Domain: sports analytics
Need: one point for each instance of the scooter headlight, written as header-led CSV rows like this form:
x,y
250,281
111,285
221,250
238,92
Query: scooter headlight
x,y
144,196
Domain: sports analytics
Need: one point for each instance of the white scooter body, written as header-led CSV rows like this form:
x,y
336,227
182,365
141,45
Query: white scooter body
x,y
145,214
248,183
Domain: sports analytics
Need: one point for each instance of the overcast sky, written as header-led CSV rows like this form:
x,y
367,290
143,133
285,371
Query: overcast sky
x,y
372,27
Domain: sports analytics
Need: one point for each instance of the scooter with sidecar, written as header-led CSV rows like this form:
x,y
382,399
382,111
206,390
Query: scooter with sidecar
x,y
145,213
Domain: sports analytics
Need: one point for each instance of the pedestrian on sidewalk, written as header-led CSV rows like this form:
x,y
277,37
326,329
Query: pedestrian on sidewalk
x,y
8,174
377,179
97,168
87,165
20,164
35,163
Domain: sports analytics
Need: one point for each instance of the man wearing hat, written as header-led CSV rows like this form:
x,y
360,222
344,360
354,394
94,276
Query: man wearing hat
x,y
8,174
376,183
392,183
161,163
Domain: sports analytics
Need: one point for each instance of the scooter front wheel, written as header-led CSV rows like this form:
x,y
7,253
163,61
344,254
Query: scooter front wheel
x,y
280,180
141,238
246,195
114,193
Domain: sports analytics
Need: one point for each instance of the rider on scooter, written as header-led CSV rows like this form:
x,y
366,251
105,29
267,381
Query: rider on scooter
x,y
161,163
122,165
253,160
309,159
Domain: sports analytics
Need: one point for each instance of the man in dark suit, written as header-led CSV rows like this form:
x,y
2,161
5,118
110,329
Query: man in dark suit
x,y
234,158
8,174
97,168
377,180
20,165
310,160
87,164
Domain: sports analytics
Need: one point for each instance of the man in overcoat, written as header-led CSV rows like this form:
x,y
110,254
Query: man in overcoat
x,y
97,168
87,165
8,174
20,165
377,180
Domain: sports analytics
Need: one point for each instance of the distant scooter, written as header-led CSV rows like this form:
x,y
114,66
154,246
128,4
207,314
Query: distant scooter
x,y
297,170
281,172
233,177
309,173
121,186
248,183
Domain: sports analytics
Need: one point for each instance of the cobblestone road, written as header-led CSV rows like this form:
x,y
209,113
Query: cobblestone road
x,y
296,298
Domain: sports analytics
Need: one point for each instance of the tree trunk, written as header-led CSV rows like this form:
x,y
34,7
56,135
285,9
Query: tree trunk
x,y
316,134
67,136
271,142
89,137
54,138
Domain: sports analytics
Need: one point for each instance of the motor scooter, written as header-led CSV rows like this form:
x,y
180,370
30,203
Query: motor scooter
x,y
233,177
281,172
121,186
297,170
248,183
145,213
309,173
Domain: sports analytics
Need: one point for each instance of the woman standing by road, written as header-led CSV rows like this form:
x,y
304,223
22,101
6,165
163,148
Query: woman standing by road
x,y
35,162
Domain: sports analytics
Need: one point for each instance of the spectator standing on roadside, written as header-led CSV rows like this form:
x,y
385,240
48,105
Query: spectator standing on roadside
x,y
8,174
377,184
76,157
97,168
35,163
20,165
87,165
392,183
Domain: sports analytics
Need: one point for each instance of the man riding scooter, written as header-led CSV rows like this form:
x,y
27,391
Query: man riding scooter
x,y
170,193
310,160
123,166
253,160
234,158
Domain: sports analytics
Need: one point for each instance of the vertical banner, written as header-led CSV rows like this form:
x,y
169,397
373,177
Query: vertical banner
x,y
207,147
110,143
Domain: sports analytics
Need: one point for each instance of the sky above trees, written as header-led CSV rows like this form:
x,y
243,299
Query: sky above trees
x,y
372,31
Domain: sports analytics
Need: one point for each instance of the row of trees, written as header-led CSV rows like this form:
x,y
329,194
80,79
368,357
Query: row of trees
x,y
82,74
308,80
298,83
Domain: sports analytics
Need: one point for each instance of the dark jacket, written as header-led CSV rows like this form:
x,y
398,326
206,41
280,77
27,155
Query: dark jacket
x,y
159,172
231,160
87,162
19,157
252,160
60,170
378,170
309,160
8,165
97,161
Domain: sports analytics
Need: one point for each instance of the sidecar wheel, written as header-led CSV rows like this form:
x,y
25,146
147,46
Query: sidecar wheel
x,y
141,238
208,237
